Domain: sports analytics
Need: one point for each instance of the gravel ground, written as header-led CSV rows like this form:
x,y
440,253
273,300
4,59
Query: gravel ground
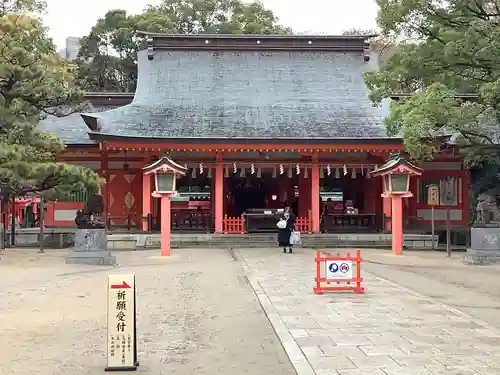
x,y
197,314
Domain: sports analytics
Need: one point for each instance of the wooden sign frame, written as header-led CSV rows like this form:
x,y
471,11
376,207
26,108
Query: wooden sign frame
x,y
121,352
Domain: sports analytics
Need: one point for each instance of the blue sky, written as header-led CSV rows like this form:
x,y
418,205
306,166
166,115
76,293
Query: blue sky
x,y
75,18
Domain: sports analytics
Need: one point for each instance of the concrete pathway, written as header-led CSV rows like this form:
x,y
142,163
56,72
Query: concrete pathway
x,y
389,330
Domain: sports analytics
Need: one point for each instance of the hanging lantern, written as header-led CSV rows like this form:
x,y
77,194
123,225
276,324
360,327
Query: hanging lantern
x,y
209,174
290,172
235,168
345,170
353,173
306,173
362,170
274,173
282,170
242,173
259,173
328,170
297,169
252,169
193,172
201,168
226,172
337,172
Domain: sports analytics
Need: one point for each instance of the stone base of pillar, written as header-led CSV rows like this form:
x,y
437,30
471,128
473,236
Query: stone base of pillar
x,y
91,247
485,247
95,258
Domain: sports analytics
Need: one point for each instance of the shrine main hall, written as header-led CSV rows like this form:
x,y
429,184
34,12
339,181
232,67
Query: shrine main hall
x,y
260,122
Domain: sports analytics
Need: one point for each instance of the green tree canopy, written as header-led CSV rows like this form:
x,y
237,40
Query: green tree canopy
x,y
17,6
383,45
34,82
449,67
108,55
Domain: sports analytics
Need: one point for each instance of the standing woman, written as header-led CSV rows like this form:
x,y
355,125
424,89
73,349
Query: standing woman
x,y
286,225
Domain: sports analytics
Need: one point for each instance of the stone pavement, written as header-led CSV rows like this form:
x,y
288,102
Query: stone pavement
x,y
389,330
197,314
471,289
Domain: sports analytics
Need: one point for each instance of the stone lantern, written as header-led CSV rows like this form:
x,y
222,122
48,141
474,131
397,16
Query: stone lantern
x,y
166,172
396,173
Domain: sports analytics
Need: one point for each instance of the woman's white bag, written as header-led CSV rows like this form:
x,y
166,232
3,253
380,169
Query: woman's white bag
x,y
295,238
281,224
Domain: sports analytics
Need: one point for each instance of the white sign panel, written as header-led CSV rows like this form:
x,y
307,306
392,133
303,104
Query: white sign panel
x,y
338,269
121,350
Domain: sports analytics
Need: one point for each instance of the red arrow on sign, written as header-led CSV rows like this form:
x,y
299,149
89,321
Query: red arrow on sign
x,y
123,285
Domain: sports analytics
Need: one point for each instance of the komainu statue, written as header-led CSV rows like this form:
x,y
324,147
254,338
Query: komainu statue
x,y
91,217
487,211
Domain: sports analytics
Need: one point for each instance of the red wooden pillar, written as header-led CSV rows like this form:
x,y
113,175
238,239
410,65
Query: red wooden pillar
x,y
166,248
397,224
105,188
146,200
219,195
315,214
212,197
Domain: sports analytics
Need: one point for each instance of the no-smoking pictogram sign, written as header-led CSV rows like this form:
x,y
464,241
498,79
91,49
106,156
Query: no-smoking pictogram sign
x,y
344,268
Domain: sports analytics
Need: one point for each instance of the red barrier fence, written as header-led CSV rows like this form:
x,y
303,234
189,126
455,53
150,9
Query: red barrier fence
x,y
233,225
303,224
338,269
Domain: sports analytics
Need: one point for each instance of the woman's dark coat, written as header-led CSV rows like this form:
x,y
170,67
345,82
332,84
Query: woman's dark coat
x,y
284,234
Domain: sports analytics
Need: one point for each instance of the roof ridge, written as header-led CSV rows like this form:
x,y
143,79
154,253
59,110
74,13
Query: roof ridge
x,y
256,36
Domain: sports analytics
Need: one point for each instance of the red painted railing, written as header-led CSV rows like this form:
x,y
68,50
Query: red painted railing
x,y
233,224
303,224
338,269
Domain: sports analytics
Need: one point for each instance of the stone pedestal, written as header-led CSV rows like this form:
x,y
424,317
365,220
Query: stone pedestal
x,y
485,246
91,247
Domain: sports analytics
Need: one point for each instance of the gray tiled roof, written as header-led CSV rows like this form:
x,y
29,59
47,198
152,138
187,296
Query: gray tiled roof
x,y
249,95
71,129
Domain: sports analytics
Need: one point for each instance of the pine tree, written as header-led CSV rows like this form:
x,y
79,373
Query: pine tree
x,y
34,83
